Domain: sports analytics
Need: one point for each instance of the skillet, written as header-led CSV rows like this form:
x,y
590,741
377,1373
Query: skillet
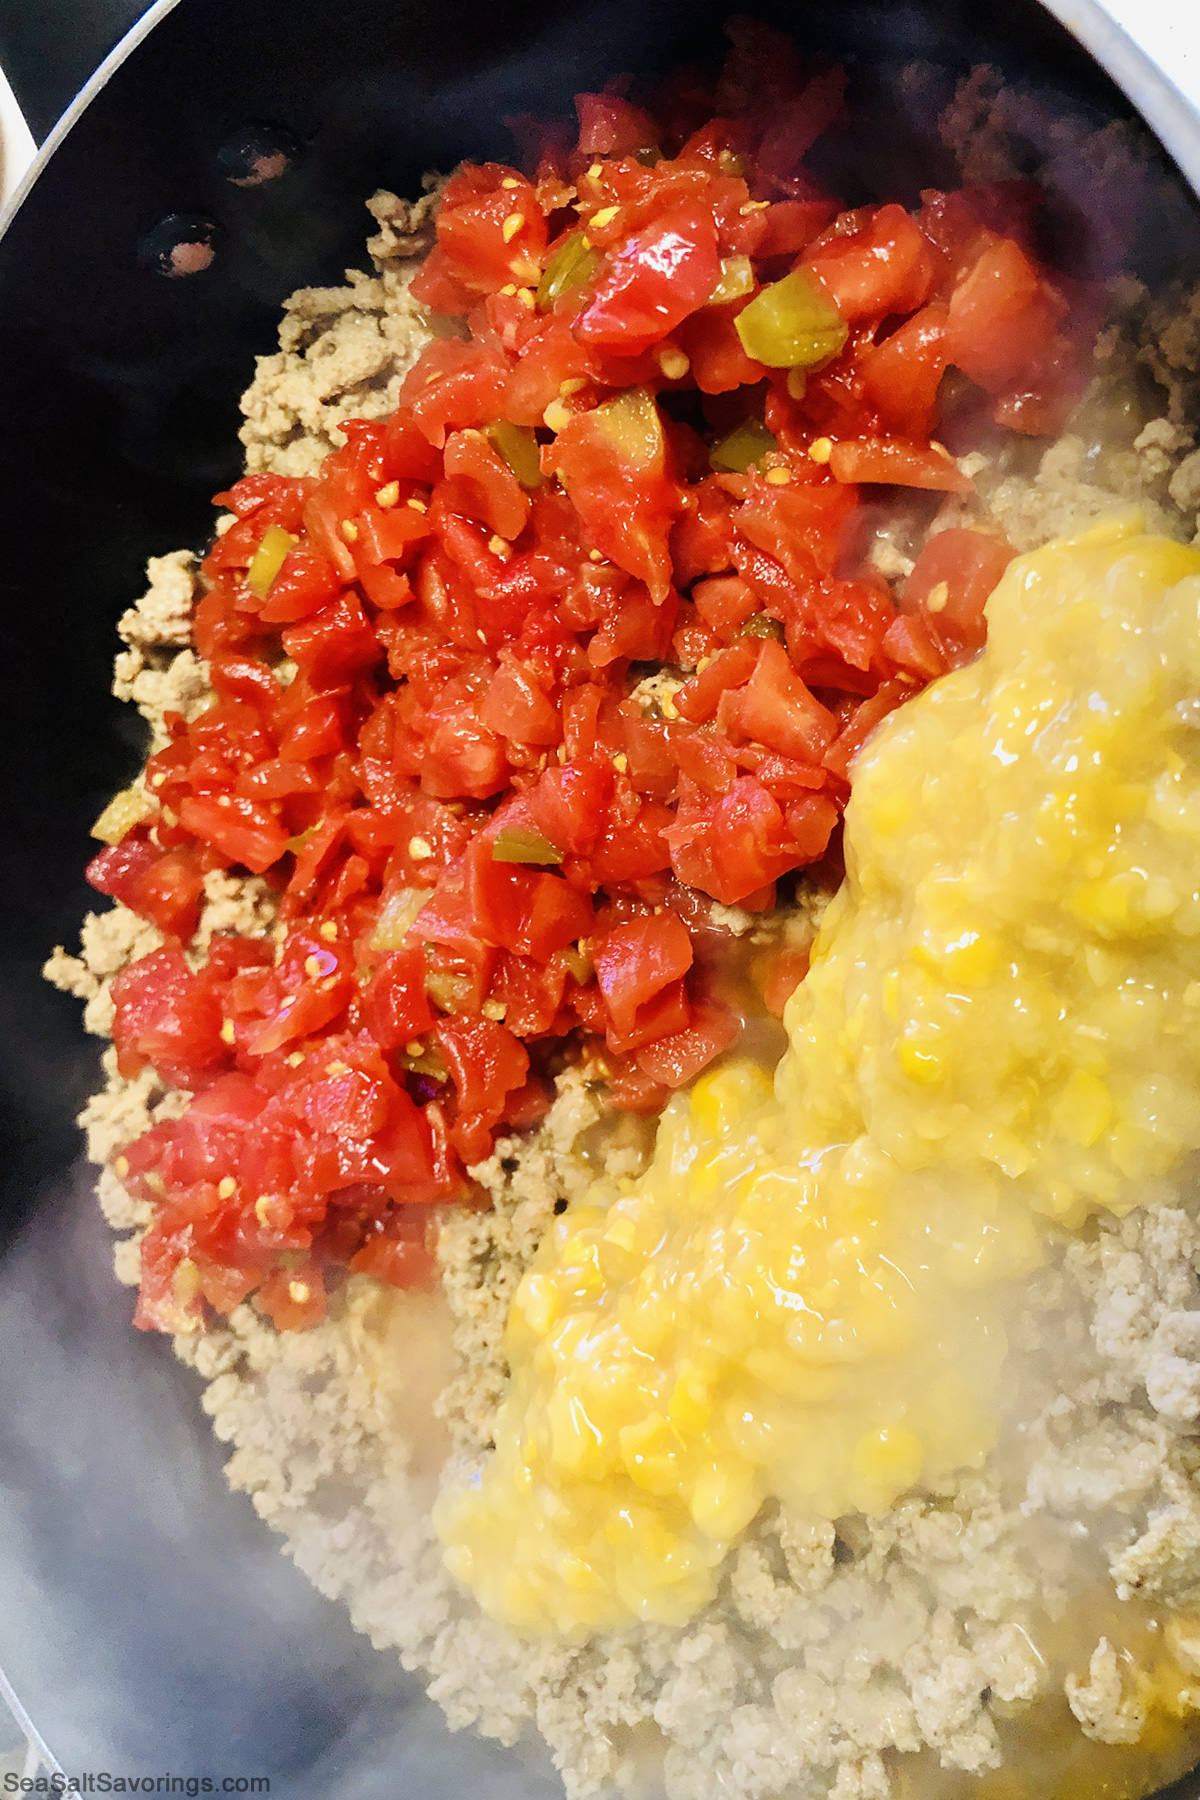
x,y
147,1622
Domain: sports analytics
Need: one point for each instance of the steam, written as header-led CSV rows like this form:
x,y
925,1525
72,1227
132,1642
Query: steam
x,y
147,1621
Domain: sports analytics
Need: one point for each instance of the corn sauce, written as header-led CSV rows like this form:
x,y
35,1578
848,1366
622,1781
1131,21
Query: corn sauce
x,y
805,1295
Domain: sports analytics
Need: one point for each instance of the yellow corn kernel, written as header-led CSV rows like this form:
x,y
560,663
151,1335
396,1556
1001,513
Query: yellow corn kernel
x,y
690,1405
725,1498
539,1301
622,1232
888,1461
920,1061
1083,1111
650,1454
576,1446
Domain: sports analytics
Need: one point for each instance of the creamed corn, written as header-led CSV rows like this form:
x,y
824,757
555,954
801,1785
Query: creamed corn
x,y
805,1295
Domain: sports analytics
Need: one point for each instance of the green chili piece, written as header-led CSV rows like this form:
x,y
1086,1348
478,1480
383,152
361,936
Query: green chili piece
x,y
519,448
517,844
793,324
762,625
737,278
571,264
741,448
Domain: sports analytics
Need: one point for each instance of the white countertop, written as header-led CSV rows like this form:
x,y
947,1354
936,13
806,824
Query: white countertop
x,y
17,147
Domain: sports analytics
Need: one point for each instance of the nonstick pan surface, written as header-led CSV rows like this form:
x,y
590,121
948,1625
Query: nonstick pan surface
x,y
147,1620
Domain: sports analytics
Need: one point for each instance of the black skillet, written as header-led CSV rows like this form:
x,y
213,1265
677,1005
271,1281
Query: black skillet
x,y
147,1621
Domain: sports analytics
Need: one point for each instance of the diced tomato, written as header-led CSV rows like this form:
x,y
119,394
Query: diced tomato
x,y
633,1090
733,846
913,646
397,1006
306,1009
1001,316
725,602
486,1063
900,378
896,462
460,755
293,1299
634,962
169,892
567,805
164,887
701,538
654,280
699,698
164,1304
254,491
304,584
406,453
610,126
524,677
491,230
850,740
951,581
241,679
707,761
633,629
801,525
873,263
242,831
632,846
612,463
486,487
167,1016
532,913
677,1059
333,644
531,994
384,587
789,226
662,1015
552,362
785,972
310,728
400,1254
810,822
455,385
385,537
774,707
719,363
517,705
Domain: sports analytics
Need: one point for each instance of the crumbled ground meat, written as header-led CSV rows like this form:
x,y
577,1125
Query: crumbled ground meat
x,y
1104,1704
831,1647
343,352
